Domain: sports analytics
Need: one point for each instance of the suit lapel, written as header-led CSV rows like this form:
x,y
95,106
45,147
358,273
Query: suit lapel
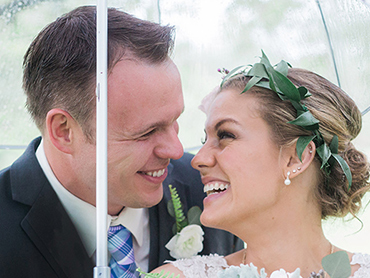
x,y
154,238
47,223
51,230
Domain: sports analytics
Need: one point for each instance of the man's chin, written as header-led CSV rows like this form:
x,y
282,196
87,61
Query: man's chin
x,y
153,202
151,199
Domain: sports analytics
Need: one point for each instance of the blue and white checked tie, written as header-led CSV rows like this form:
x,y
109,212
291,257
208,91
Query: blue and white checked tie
x,y
122,262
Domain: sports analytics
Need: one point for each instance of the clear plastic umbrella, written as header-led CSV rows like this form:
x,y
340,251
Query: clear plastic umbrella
x,y
329,37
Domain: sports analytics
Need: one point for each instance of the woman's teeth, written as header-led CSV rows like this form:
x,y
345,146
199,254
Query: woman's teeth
x,y
217,187
155,173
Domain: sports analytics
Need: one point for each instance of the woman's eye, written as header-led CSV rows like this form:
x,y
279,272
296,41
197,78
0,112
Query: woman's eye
x,y
204,140
225,135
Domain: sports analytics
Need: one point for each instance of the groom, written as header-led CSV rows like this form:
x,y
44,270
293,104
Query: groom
x,y
47,197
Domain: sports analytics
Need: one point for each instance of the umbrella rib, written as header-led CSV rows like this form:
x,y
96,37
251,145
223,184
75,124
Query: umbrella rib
x,y
159,12
365,111
329,40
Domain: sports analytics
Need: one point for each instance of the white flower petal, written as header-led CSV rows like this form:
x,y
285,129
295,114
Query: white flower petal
x,y
187,243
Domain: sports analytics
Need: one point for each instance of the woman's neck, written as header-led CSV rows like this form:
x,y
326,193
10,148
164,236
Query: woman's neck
x,y
288,240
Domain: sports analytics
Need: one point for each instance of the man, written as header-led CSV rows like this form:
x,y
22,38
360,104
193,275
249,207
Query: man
x,y
47,197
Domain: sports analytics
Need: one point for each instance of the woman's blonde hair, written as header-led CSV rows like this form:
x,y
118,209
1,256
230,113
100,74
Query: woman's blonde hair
x,y
338,115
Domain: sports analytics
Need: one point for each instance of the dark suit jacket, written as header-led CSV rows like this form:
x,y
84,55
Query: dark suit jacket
x,y
38,239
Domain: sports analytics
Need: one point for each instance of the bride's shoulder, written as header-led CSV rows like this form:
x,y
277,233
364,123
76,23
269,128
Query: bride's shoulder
x,y
196,266
201,260
361,262
169,268
235,258
361,259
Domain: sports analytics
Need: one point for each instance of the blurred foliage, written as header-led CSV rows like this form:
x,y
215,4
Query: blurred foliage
x,y
210,34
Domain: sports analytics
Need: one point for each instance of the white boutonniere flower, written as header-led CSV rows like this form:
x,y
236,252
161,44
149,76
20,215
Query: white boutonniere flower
x,y
186,243
188,233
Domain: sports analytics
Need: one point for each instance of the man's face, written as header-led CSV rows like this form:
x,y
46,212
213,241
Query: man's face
x,y
144,102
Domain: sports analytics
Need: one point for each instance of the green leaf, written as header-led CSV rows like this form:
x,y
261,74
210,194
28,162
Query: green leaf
x,y
325,153
254,80
337,265
298,106
170,208
286,86
258,70
343,164
282,67
161,274
302,143
305,120
174,228
269,70
194,215
304,92
182,224
265,60
179,214
263,84
334,144
231,73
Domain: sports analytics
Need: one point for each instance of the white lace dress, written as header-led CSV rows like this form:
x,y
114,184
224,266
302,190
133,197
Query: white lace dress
x,y
209,266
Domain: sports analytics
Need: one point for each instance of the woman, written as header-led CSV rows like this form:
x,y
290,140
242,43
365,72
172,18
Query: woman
x,y
275,162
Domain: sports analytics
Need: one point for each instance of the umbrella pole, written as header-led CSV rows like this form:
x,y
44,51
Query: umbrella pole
x,y
102,270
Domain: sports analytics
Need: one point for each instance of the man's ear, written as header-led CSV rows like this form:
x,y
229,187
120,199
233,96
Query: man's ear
x,y
294,165
61,128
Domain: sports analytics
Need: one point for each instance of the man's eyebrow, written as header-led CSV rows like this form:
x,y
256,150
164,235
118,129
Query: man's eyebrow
x,y
149,128
153,126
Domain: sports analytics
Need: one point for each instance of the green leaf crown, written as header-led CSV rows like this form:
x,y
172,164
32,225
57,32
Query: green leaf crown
x,y
263,74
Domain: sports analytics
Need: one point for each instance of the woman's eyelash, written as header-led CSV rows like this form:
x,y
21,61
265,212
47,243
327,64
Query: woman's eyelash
x,y
221,134
203,140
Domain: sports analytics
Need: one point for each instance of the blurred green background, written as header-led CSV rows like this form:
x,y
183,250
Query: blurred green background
x,y
212,34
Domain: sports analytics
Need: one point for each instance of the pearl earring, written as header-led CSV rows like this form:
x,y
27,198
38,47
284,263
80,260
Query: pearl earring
x,y
287,180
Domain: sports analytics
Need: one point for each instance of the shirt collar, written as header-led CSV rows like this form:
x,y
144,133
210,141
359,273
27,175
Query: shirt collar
x,y
83,214
132,219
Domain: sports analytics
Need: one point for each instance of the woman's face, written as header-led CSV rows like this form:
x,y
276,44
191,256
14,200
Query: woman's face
x,y
240,156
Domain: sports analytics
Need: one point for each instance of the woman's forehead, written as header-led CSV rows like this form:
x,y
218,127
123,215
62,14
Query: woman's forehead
x,y
230,103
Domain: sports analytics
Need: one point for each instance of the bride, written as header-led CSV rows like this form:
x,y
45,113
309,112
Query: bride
x,y
275,162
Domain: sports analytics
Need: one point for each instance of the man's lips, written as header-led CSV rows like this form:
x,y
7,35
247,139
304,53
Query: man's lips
x,y
155,174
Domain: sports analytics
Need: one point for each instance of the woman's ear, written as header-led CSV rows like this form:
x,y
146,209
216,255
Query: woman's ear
x,y
61,128
295,165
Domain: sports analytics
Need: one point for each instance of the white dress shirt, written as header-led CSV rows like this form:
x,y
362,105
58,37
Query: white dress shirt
x,y
83,216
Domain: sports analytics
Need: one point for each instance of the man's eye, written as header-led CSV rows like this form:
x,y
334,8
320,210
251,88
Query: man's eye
x,y
225,135
148,133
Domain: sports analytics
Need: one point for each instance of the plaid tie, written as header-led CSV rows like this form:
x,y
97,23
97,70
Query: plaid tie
x,y
122,262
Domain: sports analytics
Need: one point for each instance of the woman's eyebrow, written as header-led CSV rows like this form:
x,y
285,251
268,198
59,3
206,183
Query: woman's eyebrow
x,y
227,120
